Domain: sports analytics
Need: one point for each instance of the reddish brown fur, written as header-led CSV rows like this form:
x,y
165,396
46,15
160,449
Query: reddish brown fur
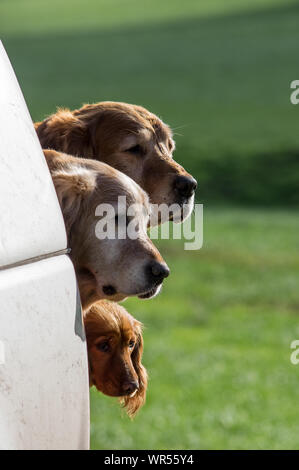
x,y
108,322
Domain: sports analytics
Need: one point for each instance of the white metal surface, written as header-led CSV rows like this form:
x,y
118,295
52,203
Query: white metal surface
x,y
44,390
30,219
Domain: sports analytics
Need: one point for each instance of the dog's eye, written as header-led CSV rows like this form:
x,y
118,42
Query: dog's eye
x,y
131,344
103,346
136,149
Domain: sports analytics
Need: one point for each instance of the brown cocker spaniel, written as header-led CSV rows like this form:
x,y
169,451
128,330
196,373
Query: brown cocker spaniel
x,y
115,346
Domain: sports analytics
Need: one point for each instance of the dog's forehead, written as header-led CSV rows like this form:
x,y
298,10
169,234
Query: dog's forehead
x,y
118,323
127,329
112,183
140,122
108,322
135,194
121,192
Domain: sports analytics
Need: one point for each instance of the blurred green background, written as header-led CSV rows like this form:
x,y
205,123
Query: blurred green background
x,y
217,340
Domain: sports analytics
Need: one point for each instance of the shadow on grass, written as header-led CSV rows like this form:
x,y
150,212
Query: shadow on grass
x,y
222,82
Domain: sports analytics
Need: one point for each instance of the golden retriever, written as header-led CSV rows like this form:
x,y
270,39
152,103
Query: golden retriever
x,y
132,140
115,346
106,268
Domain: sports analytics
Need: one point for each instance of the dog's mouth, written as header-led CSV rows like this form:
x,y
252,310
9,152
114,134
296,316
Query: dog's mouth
x,y
110,291
123,395
186,208
151,293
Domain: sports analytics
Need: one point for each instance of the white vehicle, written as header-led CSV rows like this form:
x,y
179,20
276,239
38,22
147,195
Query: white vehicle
x,y
44,390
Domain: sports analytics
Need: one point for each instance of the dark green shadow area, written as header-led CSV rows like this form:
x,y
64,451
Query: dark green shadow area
x,y
223,84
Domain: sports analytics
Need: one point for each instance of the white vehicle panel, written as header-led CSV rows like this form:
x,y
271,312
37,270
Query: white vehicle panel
x,y
44,390
31,222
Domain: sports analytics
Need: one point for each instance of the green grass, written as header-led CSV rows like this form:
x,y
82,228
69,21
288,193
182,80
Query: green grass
x,y
217,340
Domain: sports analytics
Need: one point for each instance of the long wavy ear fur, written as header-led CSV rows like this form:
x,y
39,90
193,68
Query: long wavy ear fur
x,y
66,132
71,188
133,404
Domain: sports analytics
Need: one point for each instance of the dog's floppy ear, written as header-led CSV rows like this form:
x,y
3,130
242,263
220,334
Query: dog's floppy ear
x,y
64,131
72,186
133,404
89,119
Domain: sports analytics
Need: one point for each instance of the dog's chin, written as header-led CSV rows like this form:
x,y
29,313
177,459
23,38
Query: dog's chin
x,y
184,208
104,390
118,297
187,206
150,294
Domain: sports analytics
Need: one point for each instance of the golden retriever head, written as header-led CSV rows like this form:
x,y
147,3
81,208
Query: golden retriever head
x,y
115,346
112,268
129,138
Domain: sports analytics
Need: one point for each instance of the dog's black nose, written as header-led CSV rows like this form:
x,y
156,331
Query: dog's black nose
x,y
157,271
185,185
130,387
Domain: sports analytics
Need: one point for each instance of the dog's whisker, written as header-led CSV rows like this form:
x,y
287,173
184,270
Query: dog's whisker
x,y
176,133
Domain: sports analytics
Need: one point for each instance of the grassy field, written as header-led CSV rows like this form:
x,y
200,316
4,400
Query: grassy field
x,y
218,72
217,340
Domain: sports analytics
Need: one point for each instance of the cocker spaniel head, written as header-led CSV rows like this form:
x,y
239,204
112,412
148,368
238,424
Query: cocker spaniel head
x,y
115,346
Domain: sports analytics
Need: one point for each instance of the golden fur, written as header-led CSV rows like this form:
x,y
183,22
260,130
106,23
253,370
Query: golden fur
x,y
127,137
112,269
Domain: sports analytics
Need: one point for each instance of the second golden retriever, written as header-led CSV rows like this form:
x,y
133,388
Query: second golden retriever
x,y
106,268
